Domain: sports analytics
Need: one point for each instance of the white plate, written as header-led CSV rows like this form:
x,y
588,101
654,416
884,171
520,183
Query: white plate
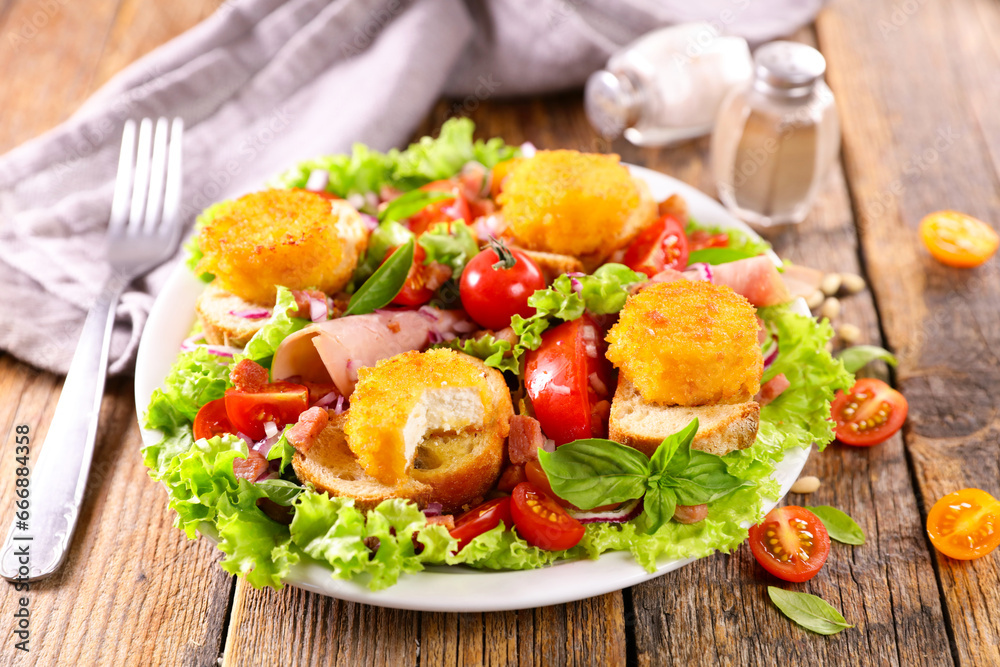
x,y
443,588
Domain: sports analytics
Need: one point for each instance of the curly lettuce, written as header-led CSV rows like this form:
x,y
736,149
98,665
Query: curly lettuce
x,y
279,326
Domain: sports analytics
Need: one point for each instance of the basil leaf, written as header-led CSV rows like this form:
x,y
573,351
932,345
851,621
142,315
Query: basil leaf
x,y
665,459
720,255
594,472
410,204
384,284
811,612
859,356
840,526
280,491
658,507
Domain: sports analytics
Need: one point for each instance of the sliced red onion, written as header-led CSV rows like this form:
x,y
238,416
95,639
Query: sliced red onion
x,y
769,359
270,429
370,222
452,212
255,314
699,271
356,200
433,337
191,342
433,509
528,149
429,312
267,474
264,446
327,399
549,445
246,439
626,512
488,226
464,326
577,285
338,409
317,309
318,180
598,385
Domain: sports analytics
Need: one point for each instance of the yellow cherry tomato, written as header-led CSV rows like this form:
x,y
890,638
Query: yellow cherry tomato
x,y
957,239
965,524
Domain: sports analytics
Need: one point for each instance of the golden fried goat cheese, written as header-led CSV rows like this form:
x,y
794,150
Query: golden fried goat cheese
x,y
412,397
688,343
292,238
584,205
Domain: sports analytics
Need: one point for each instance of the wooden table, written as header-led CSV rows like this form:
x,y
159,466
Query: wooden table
x,y
918,85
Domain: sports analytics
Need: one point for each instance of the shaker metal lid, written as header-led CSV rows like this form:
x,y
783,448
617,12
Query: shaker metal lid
x,y
789,68
612,102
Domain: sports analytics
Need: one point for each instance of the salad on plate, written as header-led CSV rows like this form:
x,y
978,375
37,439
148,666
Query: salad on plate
x,y
470,354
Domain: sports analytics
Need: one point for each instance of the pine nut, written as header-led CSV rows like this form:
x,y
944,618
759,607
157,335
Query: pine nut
x,y
849,333
807,484
815,300
830,284
852,282
830,308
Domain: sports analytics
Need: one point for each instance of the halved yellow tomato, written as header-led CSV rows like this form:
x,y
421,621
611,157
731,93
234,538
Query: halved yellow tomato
x,y
965,524
957,239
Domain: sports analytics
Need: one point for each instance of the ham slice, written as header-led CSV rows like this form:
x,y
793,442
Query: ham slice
x,y
755,278
336,349
801,280
772,389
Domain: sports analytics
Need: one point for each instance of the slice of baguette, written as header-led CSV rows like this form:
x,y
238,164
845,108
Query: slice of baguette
x,y
553,264
214,307
721,428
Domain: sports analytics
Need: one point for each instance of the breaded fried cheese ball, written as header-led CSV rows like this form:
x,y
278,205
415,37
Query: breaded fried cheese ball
x,y
413,397
292,238
688,343
585,205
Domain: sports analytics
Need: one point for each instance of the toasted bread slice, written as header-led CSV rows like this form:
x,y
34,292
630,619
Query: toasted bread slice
x,y
553,264
215,307
721,428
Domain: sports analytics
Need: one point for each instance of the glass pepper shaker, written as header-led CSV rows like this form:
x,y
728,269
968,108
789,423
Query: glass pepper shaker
x,y
667,86
776,138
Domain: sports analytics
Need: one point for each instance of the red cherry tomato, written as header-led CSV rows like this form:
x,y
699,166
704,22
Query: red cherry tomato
x,y
663,245
481,519
444,210
699,239
212,420
536,475
541,521
416,291
791,543
567,378
279,402
493,296
869,414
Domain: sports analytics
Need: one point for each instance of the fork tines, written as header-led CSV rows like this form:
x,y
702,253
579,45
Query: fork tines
x,y
149,176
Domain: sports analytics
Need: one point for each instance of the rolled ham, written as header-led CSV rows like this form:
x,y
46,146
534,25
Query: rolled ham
x,y
755,278
336,349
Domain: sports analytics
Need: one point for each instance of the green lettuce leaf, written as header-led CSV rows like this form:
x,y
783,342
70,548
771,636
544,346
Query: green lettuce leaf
x,y
192,246
493,352
332,531
279,326
740,243
452,247
256,547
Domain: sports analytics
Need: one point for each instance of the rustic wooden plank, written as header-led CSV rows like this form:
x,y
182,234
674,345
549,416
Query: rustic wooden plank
x,y
915,142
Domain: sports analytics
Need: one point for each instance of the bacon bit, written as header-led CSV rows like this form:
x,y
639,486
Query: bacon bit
x,y
690,513
436,274
525,439
446,520
248,376
511,476
311,423
251,467
303,301
393,326
771,389
599,415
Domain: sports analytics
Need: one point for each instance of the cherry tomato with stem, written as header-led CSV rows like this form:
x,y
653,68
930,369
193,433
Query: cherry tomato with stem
x,y
869,413
212,420
662,245
791,543
279,402
965,524
541,521
481,519
496,285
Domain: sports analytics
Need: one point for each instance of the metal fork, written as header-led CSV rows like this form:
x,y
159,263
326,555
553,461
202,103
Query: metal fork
x,y
142,234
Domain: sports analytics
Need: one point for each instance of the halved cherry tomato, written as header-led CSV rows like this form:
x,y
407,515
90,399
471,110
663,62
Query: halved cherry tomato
x,y
536,475
415,290
791,543
869,414
444,210
699,239
492,296
965,524
279,402
566,378
541,521
480,519
663,245
212,420
957,239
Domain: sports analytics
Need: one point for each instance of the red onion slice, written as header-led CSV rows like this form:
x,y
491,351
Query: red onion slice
x,y
433,509
626,512
338,409
317,309
254,314
270,429
327,400
528,149
370,222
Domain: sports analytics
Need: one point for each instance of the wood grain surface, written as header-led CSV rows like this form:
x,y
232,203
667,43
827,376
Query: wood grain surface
x,y
917,86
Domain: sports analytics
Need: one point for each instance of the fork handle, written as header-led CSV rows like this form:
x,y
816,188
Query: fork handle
x,y
59,476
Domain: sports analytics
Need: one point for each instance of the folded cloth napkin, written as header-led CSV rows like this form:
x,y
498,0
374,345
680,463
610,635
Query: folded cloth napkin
x,y
263,84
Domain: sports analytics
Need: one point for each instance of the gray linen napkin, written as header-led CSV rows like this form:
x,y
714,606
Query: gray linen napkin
x,y
263,84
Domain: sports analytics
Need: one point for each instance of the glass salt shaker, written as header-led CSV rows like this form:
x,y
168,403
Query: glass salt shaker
x,y
776,138
667,86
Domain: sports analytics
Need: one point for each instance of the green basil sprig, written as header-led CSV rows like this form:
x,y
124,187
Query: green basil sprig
x,y
594,472
811,612
385,283
410,204
859,356
840,526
